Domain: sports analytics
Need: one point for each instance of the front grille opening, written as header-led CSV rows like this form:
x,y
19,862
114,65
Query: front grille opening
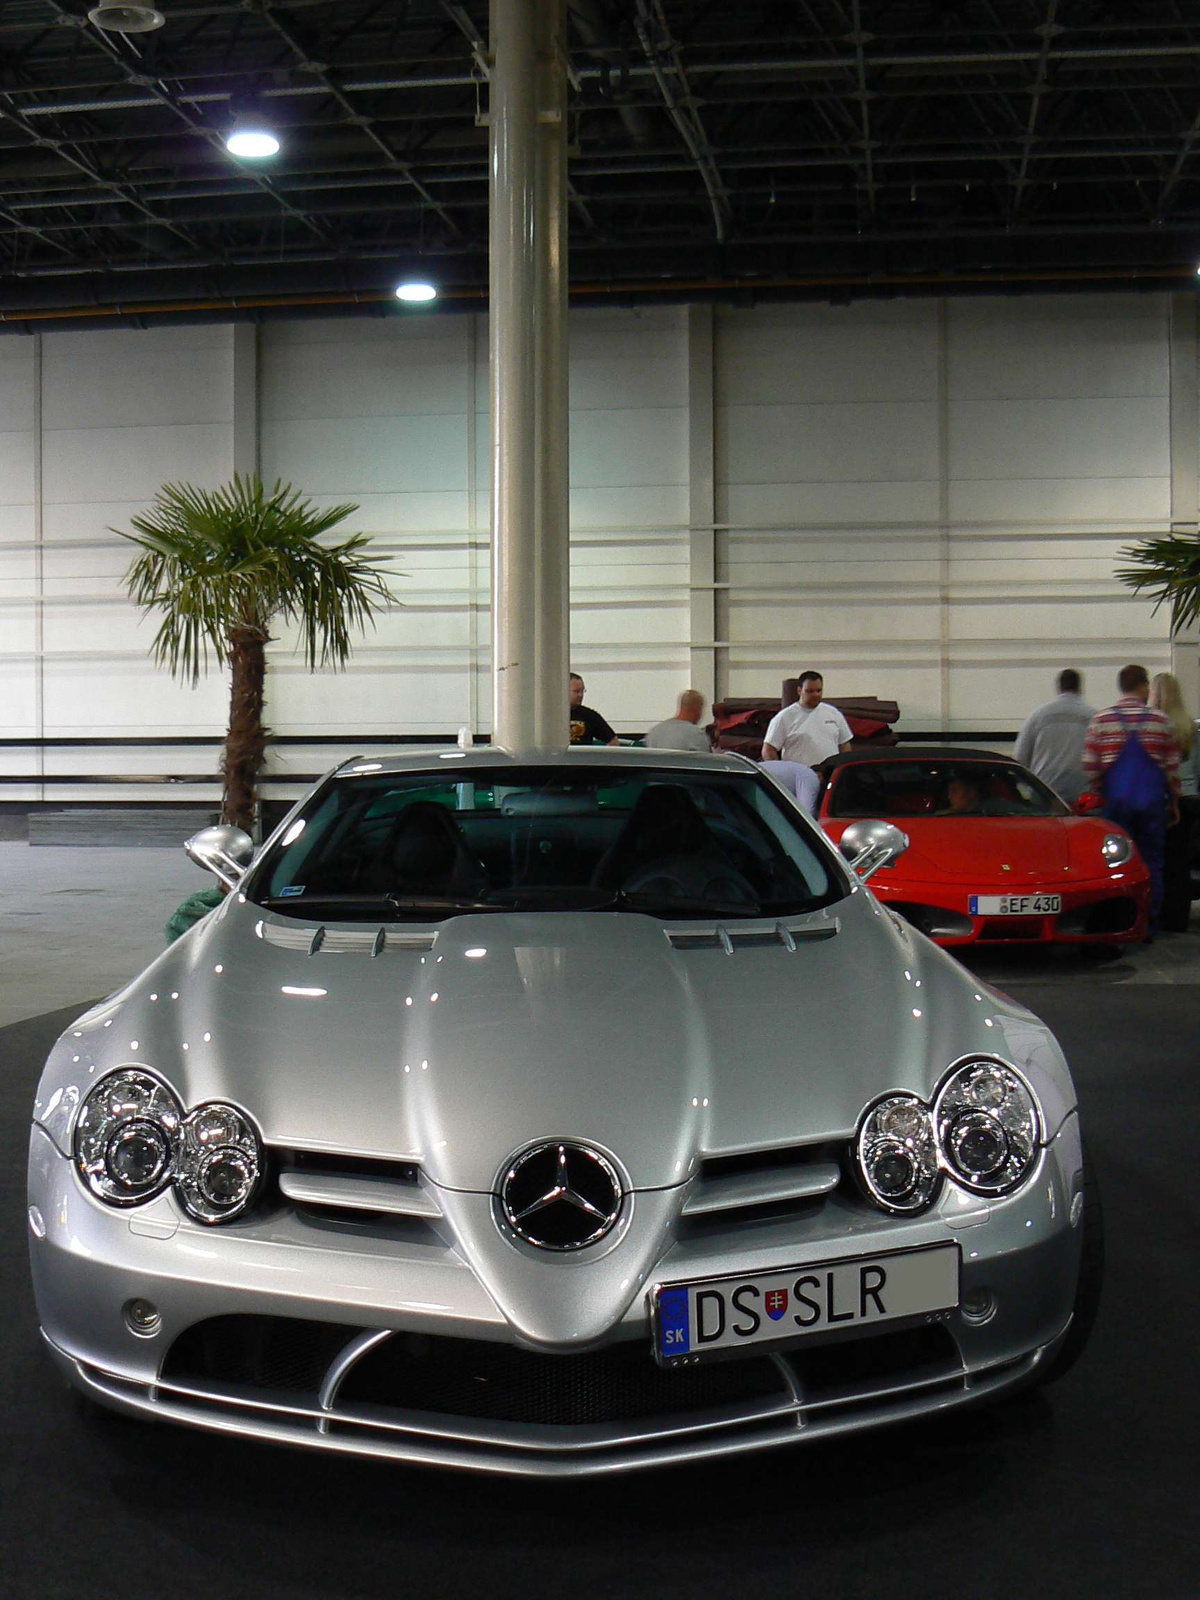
x,y
1107,916
933,921
348,1166
281,1355
793,1155
998,929
855,1365
492,1382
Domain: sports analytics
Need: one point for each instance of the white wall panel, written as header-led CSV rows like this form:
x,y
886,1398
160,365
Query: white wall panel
x,y
16,467
1079,438
102,464
926,501
125,379
1057,502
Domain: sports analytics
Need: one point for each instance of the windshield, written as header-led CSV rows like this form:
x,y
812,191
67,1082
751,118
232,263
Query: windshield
x,y
417,847
949,788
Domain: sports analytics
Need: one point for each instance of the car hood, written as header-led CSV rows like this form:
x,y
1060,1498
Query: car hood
x,y
1008,850
489,1032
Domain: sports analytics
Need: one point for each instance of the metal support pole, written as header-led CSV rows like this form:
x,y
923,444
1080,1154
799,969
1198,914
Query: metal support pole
x,y
528,373
552,565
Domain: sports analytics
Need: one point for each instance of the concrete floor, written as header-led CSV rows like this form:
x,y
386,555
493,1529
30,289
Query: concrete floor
x,y
77,922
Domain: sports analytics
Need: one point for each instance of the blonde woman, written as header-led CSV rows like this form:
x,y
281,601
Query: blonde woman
x,y
1165,696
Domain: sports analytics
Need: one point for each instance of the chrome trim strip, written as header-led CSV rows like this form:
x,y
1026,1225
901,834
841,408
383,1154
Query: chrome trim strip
x,y
332,1380
364,1193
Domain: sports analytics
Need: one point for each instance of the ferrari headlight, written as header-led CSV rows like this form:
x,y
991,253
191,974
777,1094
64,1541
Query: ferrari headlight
x,y
125,1137
219,1163
897,1154
987,1126
1116,849
132,1140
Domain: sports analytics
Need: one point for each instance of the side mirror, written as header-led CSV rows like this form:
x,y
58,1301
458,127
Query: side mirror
x,y
871,844
224,851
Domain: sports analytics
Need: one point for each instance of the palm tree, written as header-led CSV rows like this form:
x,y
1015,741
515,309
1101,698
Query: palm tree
x,y
1168,570
222,565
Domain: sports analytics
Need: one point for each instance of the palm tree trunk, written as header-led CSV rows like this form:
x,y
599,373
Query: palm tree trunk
x,y
247,738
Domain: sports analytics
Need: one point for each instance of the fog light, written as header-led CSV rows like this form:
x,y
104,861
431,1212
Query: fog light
x,y
978,1307
142,1318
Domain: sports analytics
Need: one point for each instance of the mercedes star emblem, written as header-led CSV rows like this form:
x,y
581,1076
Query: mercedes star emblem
x,y
560,1196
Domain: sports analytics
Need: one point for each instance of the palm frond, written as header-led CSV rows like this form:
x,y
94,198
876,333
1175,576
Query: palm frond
x,y
1167,570
240,556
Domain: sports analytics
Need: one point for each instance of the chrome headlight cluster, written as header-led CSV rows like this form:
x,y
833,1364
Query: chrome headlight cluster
x,y
987,1126
1116,849
897,1154
982,1129
132,1139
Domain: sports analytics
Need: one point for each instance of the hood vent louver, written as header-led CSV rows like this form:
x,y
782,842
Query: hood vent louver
x,y
321,940
733,938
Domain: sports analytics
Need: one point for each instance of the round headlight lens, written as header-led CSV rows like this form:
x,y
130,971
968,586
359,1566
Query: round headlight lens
x,y
126,1136
1116,849
897,1154
978,1143
987,1126
137,1156
219,1165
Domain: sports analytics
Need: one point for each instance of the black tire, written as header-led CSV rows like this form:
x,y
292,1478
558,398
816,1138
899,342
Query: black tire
x,y
1091,1279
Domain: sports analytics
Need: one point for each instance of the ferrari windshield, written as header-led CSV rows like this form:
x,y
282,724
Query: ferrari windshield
x,y
418,846
925,787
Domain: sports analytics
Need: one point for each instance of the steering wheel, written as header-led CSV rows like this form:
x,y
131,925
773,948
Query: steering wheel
x,y
701,877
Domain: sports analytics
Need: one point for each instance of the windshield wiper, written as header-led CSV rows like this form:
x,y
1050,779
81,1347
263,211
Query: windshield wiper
x,y
393,902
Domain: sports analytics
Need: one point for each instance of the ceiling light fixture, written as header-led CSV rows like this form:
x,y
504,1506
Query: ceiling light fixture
x,y
126,18
251,139
415,293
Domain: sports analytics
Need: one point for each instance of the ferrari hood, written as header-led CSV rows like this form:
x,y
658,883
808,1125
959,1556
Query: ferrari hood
x,y
459,1044
986,850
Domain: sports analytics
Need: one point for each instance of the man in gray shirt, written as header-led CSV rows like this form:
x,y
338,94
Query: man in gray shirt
x,y
1051,742
681,732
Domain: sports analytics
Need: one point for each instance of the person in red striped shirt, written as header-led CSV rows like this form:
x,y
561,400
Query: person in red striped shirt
x,y
1131,761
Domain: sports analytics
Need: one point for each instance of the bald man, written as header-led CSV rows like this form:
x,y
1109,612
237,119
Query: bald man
x,y
681,732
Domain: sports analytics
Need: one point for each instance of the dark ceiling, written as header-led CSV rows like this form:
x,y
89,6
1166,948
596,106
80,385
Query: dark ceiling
x,y
736,148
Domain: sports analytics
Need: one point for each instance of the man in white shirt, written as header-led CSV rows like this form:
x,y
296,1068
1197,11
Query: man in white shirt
x,y
681,732
807,732
1051,742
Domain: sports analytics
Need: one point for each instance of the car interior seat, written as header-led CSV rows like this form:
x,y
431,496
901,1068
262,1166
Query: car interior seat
x,y
426,854
667,845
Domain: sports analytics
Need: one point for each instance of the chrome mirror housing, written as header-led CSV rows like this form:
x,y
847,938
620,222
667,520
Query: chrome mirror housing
x,y
871,844
224,851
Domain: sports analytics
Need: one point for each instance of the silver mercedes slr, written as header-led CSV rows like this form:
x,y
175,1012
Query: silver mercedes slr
x,y
556,1114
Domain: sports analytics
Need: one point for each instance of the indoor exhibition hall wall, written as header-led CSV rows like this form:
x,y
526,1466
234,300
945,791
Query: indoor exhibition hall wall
x,y
923,498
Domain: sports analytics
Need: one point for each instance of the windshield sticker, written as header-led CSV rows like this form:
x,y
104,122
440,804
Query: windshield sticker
x,y
291,888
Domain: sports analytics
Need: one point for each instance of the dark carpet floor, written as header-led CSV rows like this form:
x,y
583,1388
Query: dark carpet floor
x,y
1087,1489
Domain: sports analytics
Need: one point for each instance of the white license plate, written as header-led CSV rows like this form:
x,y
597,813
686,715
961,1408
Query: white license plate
x,y
695,1319
1014,905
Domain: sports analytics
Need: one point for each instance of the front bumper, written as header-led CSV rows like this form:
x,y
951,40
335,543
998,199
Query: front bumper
x,y
347,1320
1103,911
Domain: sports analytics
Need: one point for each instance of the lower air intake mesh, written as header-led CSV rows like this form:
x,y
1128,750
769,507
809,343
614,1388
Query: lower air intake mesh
x,y
279,1354
493,1382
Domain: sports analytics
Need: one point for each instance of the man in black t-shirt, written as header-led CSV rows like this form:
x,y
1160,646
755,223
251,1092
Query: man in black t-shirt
x,y
587,726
